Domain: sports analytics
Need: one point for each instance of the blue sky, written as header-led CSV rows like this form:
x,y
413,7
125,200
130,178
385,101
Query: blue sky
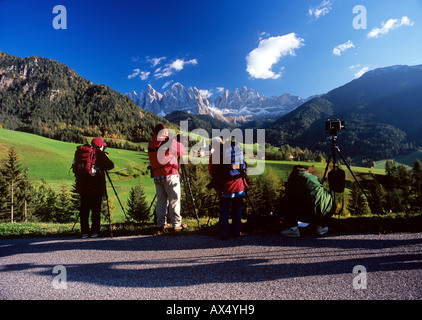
x,y
272,46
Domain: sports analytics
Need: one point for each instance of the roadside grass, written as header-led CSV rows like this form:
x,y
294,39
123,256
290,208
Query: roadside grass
x,y
372,224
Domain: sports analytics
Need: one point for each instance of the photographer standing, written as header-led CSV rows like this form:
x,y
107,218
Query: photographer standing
x,y
227,169
163,155
91,185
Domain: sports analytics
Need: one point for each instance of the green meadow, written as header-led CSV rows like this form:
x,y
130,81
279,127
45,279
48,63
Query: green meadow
x,y
50,161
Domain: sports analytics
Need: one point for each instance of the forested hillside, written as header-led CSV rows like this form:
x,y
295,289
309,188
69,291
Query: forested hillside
x,y
45,97
382,111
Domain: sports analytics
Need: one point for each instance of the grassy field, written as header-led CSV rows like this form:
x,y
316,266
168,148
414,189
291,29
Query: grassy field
x,y
407,160
50,161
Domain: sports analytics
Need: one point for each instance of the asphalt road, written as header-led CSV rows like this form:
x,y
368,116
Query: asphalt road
x,y
253,267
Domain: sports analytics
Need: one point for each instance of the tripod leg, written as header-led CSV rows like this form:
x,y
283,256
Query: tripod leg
x,y
350,169
76,221
123,209
326,169
186,178
109,216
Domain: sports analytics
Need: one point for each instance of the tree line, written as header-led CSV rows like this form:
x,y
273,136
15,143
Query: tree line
x,y
23,200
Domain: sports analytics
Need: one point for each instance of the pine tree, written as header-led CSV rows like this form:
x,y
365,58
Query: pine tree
x,y
137,204
417,184
12,174
63,212
3,196
377,198
357,201
45,205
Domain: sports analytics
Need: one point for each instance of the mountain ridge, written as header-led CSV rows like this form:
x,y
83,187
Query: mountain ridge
x,y
382,110
46,97
241,105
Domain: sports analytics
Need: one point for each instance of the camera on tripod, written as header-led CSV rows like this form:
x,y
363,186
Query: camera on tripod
x,y
334,126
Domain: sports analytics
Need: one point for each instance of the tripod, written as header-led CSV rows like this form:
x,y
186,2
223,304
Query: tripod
x,y
335,148
117,196
185,177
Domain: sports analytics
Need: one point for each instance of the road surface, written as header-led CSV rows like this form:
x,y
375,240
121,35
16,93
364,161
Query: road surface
x,y
196,267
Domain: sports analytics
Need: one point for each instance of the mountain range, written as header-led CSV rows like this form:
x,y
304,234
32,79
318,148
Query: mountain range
x,y
235,107
382,111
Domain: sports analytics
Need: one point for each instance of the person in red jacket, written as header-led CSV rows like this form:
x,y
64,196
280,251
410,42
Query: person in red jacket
x,y
163,154
92,190
229,181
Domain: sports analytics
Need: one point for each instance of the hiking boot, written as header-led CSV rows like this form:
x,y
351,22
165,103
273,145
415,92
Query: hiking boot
x,y
321,230
180,228
292,232
85,236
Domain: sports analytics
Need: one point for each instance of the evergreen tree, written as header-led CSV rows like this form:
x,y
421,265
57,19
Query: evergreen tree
x,y
63,208
417,184
3,197
204,198
26,195
357,201
377,197
137,204
75,200
45,205
12,174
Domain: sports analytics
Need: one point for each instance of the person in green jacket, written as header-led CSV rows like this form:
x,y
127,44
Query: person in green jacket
x,y
306,200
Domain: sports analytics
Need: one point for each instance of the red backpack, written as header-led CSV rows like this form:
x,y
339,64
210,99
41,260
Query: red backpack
x,y
84,161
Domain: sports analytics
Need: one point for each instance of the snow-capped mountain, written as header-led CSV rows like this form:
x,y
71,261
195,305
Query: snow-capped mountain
x,y
238,106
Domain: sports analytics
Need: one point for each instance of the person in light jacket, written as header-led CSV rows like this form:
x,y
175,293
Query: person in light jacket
x,y
163,154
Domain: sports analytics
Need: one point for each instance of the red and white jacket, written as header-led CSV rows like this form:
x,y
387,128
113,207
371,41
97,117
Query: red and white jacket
x,y
163,155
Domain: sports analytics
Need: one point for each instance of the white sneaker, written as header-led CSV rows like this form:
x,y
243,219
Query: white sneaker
x,y
292,232
321,230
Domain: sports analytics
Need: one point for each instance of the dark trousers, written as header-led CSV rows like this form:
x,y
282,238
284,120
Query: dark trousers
x,y
236,213
90,203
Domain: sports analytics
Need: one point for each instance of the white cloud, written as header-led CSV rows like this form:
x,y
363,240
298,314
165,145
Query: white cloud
x,y
155,61
171,68
167,84
134,74
143,75
269,52
361,72
338,50
390,25
322,9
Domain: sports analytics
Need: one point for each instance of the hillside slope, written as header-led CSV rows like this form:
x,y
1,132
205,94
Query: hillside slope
x,y
382,111
45,97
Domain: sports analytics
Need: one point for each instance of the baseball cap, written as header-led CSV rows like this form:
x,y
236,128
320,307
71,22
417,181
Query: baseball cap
x,y
98,142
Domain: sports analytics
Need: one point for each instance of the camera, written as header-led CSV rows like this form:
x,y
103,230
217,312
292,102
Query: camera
x,y
334,126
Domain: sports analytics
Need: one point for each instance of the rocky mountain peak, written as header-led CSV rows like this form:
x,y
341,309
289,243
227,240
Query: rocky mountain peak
x,y
243,104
